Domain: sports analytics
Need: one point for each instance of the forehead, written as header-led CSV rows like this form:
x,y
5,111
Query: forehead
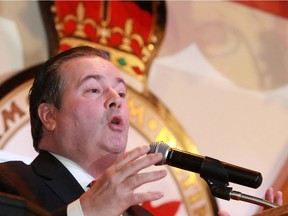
x,y
83,66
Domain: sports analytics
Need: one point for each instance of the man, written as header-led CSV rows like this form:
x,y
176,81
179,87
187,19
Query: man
x,y
79,124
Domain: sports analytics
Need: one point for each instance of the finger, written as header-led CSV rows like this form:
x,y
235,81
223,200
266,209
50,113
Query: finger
x,y
223,213
278,198
141,163
137,198
139,179
132,155
131,164
269,195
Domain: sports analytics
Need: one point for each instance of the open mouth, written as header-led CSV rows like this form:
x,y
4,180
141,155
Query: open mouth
x,y
116,121
116,124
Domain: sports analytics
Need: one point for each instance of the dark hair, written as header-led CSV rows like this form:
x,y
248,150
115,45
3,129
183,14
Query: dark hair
x,y
48,85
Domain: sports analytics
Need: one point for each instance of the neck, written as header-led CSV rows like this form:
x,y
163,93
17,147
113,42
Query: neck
x,y
94,165
99,166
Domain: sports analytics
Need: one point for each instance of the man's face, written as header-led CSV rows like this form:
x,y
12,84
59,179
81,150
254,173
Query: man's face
x,y
93,119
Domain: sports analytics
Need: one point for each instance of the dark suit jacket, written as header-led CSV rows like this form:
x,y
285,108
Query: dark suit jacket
x,y
47,183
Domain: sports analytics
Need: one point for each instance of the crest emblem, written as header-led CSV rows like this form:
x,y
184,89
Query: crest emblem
x,y
130,32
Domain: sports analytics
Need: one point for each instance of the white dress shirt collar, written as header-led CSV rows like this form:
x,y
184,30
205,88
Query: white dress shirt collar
x,y
82,177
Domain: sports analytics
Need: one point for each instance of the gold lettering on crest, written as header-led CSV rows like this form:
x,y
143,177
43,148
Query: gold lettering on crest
x,y
10,115
14,112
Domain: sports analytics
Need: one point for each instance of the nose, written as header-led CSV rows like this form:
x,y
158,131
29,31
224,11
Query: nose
x,y
113,100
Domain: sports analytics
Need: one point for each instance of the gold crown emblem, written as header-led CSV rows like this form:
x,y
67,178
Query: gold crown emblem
x,y
129,34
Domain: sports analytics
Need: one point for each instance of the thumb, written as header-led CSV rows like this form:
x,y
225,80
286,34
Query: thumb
x,y
223,213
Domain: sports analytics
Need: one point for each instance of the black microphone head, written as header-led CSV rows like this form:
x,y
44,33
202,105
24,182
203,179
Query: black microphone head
x,y
159,147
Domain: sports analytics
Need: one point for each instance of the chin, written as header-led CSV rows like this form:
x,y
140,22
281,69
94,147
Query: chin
x,y
115,144
118,147
121,149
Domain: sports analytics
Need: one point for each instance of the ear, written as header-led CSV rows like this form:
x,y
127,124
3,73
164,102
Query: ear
x,y
46,113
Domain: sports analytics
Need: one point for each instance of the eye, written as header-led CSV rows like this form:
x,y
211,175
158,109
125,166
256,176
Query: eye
x,y
97,91
122,95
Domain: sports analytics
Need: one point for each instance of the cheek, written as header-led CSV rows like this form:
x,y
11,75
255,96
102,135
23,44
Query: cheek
x,y
127,120
89,113
81,111
126,112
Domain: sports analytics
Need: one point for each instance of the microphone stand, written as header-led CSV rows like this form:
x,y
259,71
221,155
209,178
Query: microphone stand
x,y
213,172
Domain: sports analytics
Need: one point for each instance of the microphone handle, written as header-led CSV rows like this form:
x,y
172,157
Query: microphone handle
x,y
193,162
184,160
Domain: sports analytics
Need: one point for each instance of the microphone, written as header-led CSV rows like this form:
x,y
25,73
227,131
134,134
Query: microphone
x,y
196,163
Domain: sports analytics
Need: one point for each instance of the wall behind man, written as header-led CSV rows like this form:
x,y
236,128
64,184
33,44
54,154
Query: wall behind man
x,y
26,16
208,81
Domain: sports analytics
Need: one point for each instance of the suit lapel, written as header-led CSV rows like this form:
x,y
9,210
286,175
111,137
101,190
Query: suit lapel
x,y
57,177
64,185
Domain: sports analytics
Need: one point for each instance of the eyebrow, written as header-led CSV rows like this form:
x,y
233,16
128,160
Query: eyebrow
x,y
100,77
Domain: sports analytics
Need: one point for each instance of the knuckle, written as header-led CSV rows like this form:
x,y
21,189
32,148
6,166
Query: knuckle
x,y
137,198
